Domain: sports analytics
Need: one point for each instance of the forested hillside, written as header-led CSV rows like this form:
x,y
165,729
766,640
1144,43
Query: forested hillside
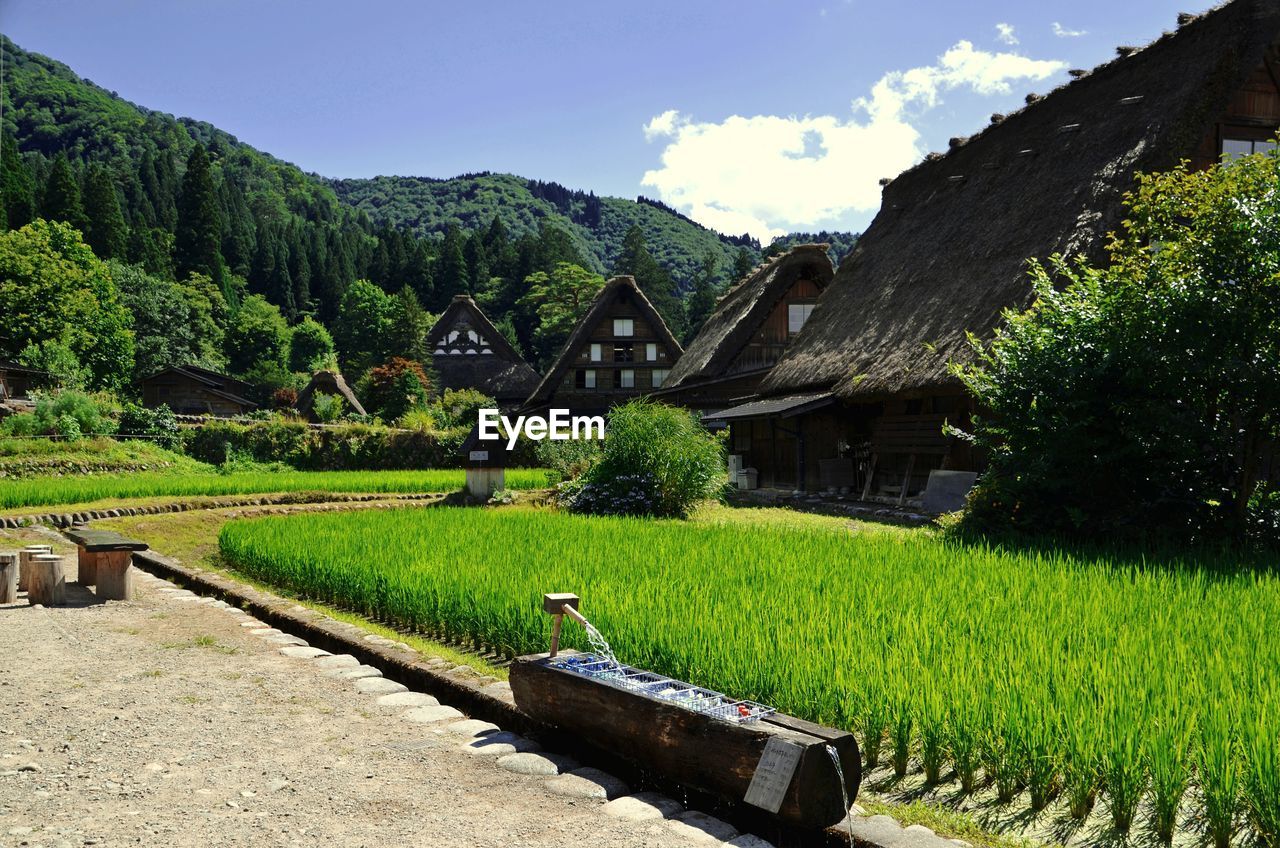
x,y
597,225
219,254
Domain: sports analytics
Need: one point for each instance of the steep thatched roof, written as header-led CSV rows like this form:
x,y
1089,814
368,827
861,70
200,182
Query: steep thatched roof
x,y
329,383
598,312
743,310
497,369
948,250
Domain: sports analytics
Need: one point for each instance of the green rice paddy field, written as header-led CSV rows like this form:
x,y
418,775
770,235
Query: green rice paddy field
x,y
49,491
1151,688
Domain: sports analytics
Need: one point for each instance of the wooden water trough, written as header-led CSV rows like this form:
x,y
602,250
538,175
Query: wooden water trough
x,y
737,753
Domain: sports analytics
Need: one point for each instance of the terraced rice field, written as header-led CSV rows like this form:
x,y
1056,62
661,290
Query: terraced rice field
x,y
48,491
1155,688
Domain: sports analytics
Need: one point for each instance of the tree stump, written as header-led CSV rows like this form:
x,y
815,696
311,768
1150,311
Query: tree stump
x,y
47,584
24,559
8,577
86,567
115,575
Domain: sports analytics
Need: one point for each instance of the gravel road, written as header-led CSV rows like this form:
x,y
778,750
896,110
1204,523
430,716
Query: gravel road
x,y
164,721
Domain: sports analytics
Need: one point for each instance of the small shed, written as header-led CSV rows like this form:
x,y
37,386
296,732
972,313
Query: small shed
x,y
192,390
329,383
485,461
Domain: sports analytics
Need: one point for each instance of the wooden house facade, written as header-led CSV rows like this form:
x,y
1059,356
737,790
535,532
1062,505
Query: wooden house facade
x,y
191,390
469,352
865,391
17,381
752,327
621,349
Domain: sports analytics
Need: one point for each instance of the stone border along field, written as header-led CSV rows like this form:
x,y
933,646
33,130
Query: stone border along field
x,y
383,667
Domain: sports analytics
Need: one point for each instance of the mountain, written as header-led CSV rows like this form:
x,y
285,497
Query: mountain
x,y
297,238
427,206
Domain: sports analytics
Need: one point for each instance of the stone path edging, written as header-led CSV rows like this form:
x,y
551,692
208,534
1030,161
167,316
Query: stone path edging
x,y
70,519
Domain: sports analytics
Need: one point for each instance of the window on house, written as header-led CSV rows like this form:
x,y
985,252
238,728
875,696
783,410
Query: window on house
x,y
660,376
624,353
624,327
596,353
585,378
626,379
1237,147
651,352
797,314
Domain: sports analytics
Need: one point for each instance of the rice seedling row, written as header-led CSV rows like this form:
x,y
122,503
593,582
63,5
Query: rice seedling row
x,y
49,491
1068,678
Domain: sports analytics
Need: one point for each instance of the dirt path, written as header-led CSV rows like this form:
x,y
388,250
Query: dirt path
x,y
164,721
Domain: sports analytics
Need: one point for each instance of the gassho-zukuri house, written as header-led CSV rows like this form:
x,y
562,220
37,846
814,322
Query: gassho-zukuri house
x,y
752,326
469,352
620,349
859,400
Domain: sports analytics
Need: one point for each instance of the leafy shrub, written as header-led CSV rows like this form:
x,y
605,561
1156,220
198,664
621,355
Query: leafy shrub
x,y
460,408
285,397
418,418
55,357
22,424
158,425
397,386
327,408
53,410
568,459
656,460
1138,399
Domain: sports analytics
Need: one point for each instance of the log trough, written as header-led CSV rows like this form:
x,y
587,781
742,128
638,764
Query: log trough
x,y
737,751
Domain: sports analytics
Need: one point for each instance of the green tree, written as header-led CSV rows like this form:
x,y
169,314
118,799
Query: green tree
x,y
105,229
452,277
409,325
743,264
198,236
173,323
257,338
362,327
310,347
1139,398
702,298
561,298
53,287
62,195
635,260
17,185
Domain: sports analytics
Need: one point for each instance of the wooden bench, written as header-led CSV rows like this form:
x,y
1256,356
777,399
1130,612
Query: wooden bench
x,y
106,561
911,435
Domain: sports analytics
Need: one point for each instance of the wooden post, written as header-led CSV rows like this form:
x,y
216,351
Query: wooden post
x,y
8,577
86,567
24,559
557,604
48,584
115,575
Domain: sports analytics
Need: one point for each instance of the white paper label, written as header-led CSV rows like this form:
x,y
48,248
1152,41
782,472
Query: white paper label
x,y
773,774
479,456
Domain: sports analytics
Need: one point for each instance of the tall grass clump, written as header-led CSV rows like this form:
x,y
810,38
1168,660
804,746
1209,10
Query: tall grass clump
x,y
1072,676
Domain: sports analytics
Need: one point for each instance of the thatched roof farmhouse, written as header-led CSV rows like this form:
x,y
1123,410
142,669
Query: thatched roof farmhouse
x,y
751,328
469,352
329,383
620,349
948,250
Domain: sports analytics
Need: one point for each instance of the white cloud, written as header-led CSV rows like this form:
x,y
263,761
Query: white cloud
x,y
770,174
1005,34
1062,32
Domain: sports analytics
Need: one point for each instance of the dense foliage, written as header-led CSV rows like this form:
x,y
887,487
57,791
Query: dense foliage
x,y
1060,674
656,460
1142,398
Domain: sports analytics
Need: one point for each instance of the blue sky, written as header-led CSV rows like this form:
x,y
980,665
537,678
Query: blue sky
x,y
753,115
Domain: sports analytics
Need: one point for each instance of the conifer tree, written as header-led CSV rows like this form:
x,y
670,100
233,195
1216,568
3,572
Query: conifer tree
x,y
198,237
452,277
655,281
62,195
17,185
105,229
702,298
